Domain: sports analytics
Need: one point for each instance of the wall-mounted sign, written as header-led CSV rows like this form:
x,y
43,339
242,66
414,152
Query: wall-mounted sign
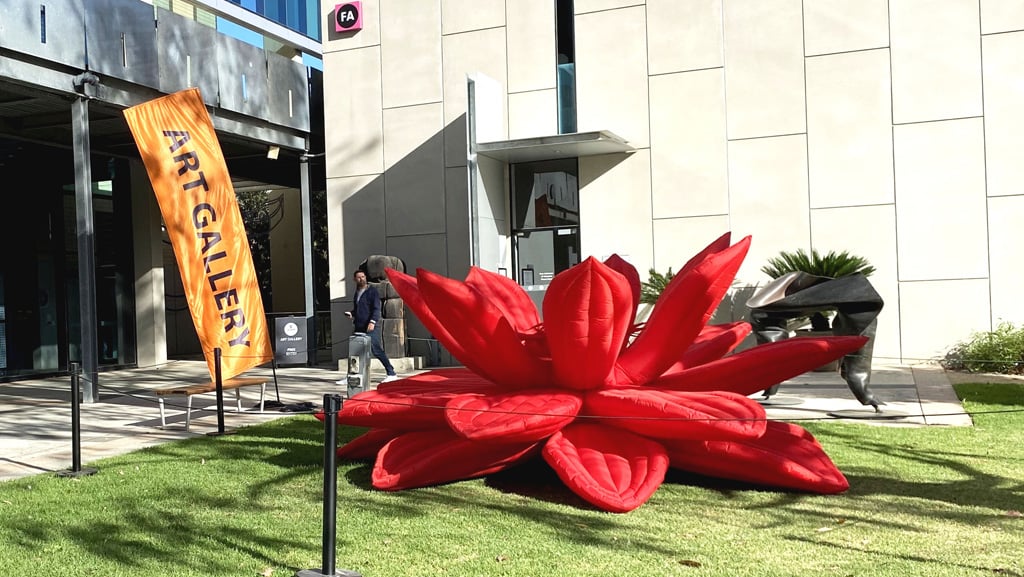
x,y
348,17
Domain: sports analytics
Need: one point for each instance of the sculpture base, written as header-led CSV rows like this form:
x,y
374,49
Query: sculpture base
x,y
779,402
866,414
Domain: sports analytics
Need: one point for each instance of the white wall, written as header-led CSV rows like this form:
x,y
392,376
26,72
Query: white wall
x,y
890,129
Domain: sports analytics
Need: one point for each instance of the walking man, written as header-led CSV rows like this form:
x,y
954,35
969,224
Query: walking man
x,y
365,315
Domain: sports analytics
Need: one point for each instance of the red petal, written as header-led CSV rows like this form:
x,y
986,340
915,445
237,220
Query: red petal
x,y
492,348
718,245
587,313
714,342
408,289
612,469
619,265
526,416
507,295
413,403
678,415
426,458
679,315
365,446
787,456
760,367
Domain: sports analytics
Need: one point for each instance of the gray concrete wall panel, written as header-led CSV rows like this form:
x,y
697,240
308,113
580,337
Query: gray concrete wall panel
x,y
288,92
121,41
187,55
51,30
243,76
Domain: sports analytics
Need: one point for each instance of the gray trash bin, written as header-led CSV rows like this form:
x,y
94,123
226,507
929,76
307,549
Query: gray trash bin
x,y
358,378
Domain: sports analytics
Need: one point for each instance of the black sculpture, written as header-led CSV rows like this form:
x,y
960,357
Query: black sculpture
x,y
799,294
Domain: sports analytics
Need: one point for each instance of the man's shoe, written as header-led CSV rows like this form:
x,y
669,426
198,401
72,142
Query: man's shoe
x,y
390,378
341,382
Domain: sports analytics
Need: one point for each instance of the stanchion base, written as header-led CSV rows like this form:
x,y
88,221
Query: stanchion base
x,y
777,402
866,414
84,472
220,434
319,573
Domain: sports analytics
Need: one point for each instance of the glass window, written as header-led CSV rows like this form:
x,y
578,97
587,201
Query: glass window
x,y
545,205
566,88
545,194
300,15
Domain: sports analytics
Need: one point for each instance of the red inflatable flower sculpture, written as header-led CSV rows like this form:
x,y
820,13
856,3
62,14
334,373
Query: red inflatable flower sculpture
x,y
608,404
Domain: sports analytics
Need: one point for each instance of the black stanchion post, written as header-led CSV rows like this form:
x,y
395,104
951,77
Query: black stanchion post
x,y
332,404
76,428
218,380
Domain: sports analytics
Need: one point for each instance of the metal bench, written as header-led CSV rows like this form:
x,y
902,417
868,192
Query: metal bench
x,y
189,390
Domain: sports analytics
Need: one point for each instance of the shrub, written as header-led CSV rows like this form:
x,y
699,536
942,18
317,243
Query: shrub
x,y
998,351
832,264
655,285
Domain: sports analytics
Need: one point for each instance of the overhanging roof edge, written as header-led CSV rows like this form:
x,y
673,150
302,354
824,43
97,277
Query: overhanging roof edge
x,y
576,144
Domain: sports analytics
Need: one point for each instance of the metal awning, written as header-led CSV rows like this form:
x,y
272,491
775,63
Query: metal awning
x,y
577,144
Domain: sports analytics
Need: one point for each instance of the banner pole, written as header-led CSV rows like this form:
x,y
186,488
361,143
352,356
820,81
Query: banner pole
x,y
218,379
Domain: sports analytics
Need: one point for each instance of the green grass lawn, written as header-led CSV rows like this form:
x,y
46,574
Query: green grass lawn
x,y
922,501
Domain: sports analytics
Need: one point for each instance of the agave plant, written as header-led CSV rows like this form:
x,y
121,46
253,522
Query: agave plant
x,y
832,264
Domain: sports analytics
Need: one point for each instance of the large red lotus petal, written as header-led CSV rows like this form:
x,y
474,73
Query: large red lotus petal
x,y
423,458
365,446
413,403
526,416
610,468
440,379
714,342
507,295
718,245
678,415
408,288
760,367
679,315
587,313
486,336
786,456
621,266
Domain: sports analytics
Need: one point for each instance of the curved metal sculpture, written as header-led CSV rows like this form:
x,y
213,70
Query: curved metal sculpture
x,y
799,294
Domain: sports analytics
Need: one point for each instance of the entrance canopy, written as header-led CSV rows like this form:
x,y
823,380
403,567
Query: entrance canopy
x,y
575,145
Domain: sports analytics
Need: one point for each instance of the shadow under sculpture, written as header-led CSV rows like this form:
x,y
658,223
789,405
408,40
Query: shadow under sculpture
x,y
799,294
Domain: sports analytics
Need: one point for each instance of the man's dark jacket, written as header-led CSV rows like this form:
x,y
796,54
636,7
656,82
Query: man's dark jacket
x,y
366,309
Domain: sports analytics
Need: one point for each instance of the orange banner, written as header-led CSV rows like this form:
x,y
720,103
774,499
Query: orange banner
x,y
190,178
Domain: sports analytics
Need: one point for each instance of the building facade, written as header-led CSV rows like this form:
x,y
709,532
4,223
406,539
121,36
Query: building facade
x,y
86,275
524,136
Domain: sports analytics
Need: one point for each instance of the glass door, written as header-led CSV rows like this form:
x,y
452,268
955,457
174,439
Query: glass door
x,y
546,219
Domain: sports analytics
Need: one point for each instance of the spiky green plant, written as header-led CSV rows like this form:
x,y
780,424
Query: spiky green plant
x,y
832,264
654,286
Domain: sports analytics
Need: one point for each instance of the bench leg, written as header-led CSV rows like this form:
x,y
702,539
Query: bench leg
x,y
163,419
188,413
263,395
238,400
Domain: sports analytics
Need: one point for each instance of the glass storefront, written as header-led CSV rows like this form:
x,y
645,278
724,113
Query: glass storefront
x,y
40,332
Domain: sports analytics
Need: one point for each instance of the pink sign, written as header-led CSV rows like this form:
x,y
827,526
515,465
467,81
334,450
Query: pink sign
x,y
348,17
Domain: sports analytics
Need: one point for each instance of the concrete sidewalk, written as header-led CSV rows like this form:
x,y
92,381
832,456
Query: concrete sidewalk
x,y
35,415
